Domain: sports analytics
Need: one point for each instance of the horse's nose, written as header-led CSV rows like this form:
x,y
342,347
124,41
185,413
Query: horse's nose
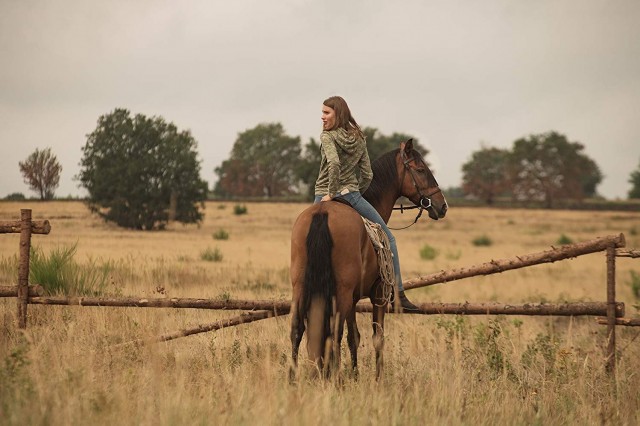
x,y
443,210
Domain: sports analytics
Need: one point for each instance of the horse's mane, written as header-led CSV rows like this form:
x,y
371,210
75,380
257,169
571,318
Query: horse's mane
x,y
385,172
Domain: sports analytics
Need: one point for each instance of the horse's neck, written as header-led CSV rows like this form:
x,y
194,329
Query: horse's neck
x,y
386,203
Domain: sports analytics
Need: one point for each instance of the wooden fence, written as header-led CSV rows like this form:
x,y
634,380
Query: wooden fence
x,y
610,312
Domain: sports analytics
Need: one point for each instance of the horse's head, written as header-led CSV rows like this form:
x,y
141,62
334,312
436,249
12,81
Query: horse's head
x,y
417,182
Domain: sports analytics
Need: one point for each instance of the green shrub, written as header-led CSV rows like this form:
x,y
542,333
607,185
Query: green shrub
x,y
211,255
428,253
482,240
221,234
59,273
564,240
239,209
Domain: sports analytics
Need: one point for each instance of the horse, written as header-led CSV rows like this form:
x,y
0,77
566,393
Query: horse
x,y
334,264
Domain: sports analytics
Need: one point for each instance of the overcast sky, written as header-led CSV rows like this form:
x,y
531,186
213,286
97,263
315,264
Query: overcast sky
x,y
457,75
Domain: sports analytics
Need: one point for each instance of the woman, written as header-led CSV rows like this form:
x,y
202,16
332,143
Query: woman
x,y
343,150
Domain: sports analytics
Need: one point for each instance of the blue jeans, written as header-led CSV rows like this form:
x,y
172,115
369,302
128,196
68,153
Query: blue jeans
x,y
366,210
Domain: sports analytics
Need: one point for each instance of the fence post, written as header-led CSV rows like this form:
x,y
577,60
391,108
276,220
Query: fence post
x,y
23,266
611,314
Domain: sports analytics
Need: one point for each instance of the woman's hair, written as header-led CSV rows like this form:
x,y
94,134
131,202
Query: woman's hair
x,y
344,119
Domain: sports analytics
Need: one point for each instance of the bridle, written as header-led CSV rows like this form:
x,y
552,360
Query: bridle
x,y
424,202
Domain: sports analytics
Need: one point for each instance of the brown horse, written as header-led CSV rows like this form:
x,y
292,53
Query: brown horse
x,y
334,265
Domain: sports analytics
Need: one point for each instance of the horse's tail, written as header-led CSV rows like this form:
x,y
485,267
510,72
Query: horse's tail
x,y
319,288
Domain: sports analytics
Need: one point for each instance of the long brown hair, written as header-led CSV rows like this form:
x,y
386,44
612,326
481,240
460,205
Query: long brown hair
x,y
344,119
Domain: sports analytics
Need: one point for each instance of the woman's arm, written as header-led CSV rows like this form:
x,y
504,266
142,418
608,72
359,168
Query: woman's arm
x,y
366,175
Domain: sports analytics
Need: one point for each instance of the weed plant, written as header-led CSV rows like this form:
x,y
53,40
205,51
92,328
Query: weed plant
x,y
563,239
221,234
482,241
428,253
211,255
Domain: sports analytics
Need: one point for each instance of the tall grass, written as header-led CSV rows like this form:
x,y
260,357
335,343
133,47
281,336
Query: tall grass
x,y
634,283
439,370
59,273
65,368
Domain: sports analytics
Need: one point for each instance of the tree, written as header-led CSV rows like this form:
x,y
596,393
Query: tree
x,y
141,172
378,143
547,167
41,171
309,166
634,180
263,162
484,175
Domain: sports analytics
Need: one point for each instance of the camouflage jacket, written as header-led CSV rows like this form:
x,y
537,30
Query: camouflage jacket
x,y
344,164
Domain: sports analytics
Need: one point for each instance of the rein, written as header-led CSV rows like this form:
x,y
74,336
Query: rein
x,y
423,198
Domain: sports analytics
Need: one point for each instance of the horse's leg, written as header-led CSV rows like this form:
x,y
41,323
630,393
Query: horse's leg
x,y
353,339
378,336
297,330
342,313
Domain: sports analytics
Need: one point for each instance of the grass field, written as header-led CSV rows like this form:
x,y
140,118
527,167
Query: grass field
x,y
66,368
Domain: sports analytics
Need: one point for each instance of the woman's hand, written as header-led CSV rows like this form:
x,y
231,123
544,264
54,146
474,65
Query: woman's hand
x,y
326,198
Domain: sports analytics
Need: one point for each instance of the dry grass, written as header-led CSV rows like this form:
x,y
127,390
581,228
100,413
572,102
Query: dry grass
x,y
65,369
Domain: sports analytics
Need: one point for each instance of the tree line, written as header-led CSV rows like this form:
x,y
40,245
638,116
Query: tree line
x,y
541,167
266,162
143,172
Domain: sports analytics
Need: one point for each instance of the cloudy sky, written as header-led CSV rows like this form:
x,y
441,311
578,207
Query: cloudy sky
x,y
457,75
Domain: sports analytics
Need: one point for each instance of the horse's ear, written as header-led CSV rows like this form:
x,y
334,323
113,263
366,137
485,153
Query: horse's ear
x,y
407,146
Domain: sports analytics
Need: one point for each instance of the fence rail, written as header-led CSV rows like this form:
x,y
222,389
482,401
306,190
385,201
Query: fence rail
x,y
496,266
12,290
282,307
